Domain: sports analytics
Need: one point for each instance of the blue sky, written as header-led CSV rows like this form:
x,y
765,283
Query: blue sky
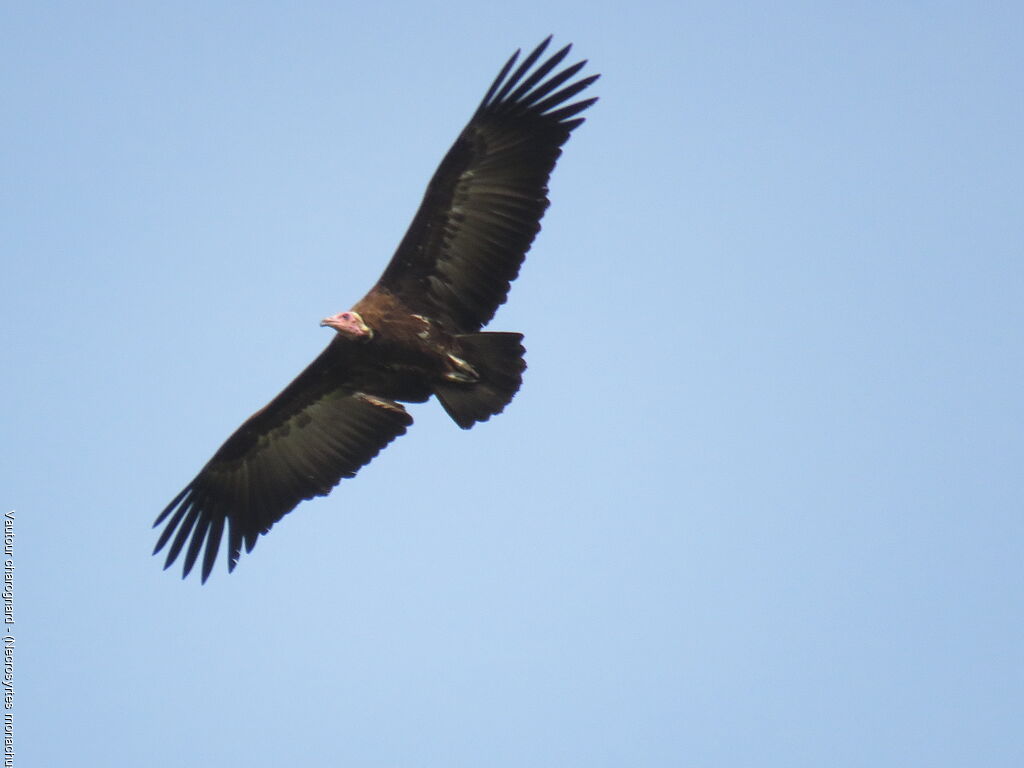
x,y
757,503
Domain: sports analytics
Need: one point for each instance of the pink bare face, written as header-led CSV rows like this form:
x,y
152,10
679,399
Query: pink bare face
x,y
349,324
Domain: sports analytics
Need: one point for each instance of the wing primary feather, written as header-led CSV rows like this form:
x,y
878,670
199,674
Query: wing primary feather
x,y
183,531
234,548
196,544
569,111
541,72
172,505
524,67
498,80
172,524
566,93
547,87
213,537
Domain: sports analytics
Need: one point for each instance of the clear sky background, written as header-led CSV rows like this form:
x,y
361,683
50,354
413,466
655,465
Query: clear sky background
x,y
758,503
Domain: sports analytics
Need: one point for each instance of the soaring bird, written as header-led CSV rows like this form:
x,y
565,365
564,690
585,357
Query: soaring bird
x,y
417,332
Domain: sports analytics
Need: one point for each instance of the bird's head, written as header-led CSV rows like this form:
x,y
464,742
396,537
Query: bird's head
x,y
349,324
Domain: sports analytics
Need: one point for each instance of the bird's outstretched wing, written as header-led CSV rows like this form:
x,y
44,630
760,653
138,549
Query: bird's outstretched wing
x,y
482,208
316,432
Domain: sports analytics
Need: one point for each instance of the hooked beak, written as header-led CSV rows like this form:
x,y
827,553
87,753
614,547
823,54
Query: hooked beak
x,y
349,324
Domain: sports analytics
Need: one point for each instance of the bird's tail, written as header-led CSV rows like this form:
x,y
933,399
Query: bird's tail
x,y
485,376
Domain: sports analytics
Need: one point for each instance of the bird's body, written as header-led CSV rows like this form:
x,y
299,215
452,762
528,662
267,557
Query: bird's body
x,y
411,357
416,334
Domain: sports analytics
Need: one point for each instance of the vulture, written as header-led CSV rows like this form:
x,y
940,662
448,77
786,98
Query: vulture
x,y
417,333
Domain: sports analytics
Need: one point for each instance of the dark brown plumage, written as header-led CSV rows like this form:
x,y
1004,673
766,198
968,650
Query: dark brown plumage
x,y
417,333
